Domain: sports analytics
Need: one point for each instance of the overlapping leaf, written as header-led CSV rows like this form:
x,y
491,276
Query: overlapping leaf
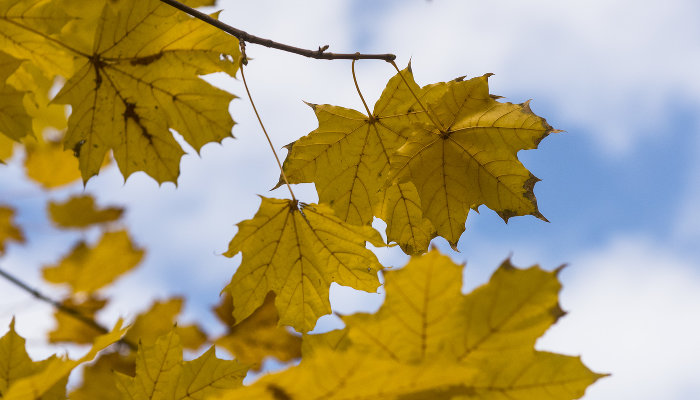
x,y
139,79
297,253
161,374
347,158
439,344
84,268
258,336
467,157
81,212
159,319
15,123
47,379
69,328
28,31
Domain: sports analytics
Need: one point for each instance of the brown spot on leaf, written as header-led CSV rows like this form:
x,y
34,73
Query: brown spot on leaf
x,y
146,60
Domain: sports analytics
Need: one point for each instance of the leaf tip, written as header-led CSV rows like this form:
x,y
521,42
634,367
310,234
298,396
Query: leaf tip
x,y
312,105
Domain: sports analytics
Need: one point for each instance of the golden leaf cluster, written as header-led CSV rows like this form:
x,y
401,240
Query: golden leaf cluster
x,y
131,73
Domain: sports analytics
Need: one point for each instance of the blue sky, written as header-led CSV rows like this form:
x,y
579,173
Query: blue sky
x,y
620,186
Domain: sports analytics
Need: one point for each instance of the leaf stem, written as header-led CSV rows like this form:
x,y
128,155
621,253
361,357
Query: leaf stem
x,y
61,307
425,110
354,78
243,62
243,36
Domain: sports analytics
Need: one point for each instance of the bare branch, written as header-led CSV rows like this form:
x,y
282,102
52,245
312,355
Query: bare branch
x,y
61,307
243,36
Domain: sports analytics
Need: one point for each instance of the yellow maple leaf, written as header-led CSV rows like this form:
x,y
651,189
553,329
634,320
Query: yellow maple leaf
x,y
161,373
84,268
139,79
160,319
347,157
258,336
297,253
81,212
69,328
438,343
467,157
8,230
15,123
53,375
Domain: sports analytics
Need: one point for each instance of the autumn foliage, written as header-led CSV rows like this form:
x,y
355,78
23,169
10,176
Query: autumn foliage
x,y
420,160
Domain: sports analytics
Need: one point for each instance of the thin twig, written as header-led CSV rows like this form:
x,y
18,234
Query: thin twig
x,y
61,307
269,141
354,78
243,36
425,110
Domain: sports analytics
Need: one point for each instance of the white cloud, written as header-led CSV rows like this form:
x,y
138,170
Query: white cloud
x,y
610,68
633,312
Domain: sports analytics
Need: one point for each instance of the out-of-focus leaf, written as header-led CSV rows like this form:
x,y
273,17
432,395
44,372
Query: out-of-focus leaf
x,y
81,212
69,328
9,231
159,320
87,269
257,336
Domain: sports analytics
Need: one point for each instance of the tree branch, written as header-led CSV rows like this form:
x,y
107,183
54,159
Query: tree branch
x,y
243,36
61,307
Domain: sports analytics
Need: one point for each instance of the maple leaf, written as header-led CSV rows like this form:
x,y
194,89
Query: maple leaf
x,y
257,336
15,123
348,159
347,156
44,380
439,343
84,268
467,157
161,373
159,320
8,230
139,79
297,253
81,212
69,328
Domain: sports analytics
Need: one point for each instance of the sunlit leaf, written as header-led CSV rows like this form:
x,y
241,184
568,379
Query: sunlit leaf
x,y
467,157
347,156
297,253
141,78
429,341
